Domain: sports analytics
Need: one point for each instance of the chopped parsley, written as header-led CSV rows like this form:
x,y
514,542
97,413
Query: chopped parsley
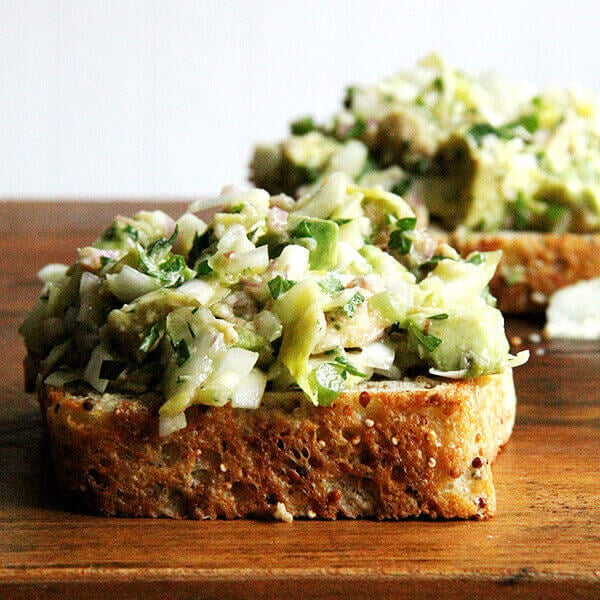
x,y
331,284
429,342
203,269
398,239
303,126
350,307
439,317
151,339
278,285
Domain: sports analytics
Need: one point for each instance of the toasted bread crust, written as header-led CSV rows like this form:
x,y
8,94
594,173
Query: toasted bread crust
x,y
390,451
534,265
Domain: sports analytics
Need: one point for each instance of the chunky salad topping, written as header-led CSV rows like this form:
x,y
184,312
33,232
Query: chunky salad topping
x,y
476,151
321,294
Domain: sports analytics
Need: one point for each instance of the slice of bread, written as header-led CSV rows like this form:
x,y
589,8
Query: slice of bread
x,y
388,450
534,265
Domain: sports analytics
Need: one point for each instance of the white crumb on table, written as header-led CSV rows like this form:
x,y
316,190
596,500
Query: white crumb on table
x,y
282,514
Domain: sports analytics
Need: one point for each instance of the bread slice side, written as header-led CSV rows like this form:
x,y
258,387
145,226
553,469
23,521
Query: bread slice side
x,y
534,265
388,450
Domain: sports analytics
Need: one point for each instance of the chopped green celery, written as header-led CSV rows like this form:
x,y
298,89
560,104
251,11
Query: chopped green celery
x,y
301,314
249,340
328,382
185,375
325,234
388,308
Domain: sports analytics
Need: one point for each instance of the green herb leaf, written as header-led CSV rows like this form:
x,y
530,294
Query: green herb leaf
x,y
476,259
398,241
438,84
331,284
307,174
200,243
349,96
439,317
348,367
357,130
238,208
434,260
278,285
350,307
520,211
340,222
406,224
111,369
429,342
131,232
303,126
402,186
203,269
151,339
182,352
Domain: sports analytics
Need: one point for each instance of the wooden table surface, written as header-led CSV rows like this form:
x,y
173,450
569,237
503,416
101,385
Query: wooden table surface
x,y
543,543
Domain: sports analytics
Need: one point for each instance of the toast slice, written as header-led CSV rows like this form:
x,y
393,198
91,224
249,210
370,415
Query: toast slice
x,y
384,450
534,265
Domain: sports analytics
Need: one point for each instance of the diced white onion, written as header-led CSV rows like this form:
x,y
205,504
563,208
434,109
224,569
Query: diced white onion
x,y
129,284
59,378
87,291
53,272
234,239
378,355
250,392
520,359
168,425
205,204
256,260
293,261
92,370
199,289
449,374
188,226
268,325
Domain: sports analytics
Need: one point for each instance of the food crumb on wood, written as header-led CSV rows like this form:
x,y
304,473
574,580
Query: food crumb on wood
x,y
369,422
395,441
534,338
540,351
432,462
282,514
311,514
515,340
539,298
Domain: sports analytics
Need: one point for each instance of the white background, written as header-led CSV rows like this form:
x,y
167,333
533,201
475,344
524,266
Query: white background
x,y
130,98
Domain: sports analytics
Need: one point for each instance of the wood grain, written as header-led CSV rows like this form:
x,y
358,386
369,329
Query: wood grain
x,y
543,543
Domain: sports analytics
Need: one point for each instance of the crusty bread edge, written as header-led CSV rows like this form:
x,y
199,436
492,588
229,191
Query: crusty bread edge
x,y
534,265
389,450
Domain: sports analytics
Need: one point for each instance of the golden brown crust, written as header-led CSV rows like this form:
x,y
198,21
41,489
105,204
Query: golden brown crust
x,y
395,450
533,265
